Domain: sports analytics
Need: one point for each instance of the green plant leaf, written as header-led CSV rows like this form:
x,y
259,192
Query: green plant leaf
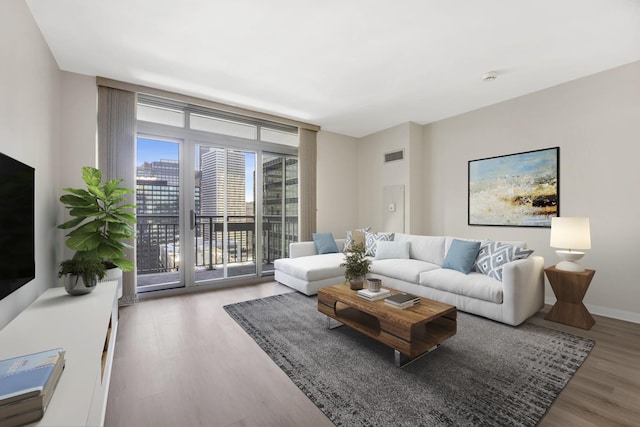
x,y
123,207
123,264
85,212
97,191
70,224
77,191
89,227
129,217
121,191
76,201
91,176
86,255
84,241
106,251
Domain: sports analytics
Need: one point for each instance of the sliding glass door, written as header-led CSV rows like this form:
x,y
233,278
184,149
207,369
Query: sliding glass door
x,y
217,196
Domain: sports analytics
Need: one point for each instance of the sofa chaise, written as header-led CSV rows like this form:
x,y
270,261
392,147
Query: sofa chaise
x,y
511,300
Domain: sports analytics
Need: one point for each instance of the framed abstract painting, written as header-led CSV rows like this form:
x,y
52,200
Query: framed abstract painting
x,y
515,190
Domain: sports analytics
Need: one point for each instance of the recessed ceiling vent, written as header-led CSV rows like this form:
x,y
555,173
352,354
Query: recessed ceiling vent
x,y
394,156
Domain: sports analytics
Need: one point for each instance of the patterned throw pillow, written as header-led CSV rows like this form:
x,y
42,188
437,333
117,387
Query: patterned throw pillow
x,y
494,255
353,237
372,239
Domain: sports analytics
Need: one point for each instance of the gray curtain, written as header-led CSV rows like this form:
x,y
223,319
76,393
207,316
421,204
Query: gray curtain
x,y
307,154
116,156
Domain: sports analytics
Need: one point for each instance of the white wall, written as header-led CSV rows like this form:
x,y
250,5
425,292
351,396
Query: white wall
x,y
337,183
78,138
374,174
596,123
29,132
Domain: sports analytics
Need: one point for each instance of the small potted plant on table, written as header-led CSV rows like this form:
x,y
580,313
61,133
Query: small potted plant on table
x,y
356,266
81,275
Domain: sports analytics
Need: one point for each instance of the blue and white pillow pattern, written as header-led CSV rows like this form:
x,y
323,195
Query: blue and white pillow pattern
x,y
371,241
493,255
349,240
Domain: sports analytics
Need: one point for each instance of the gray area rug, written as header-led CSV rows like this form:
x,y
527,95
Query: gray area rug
x,y
488,374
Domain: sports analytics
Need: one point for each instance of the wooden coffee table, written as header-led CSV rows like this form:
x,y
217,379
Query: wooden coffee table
x,y
411,332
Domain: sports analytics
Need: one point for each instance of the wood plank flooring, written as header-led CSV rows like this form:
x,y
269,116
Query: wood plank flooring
x,y
182,361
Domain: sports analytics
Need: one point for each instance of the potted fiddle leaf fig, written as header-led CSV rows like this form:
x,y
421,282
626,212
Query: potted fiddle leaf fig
x,y
356,266
102,220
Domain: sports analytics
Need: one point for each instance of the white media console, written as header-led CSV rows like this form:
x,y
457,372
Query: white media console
x,y
85,326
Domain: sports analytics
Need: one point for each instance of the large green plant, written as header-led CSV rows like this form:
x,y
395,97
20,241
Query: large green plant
x,y
102,220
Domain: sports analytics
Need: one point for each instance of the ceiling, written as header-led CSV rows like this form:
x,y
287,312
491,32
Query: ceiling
x,y
351,66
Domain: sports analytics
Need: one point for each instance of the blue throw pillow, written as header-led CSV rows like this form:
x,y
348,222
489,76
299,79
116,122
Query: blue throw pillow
x,y
325,244
461,256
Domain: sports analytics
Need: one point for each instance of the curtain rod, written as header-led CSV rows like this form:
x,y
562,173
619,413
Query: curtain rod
x,y
131,87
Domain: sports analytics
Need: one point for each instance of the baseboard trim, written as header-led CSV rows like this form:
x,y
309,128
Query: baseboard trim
x,y
628,316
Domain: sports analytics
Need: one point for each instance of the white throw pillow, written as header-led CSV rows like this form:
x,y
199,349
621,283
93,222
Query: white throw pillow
x,y
397,250
371,241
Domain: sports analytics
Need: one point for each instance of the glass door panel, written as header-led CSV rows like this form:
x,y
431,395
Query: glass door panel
x,y
279,207
158,214
223,219
241,224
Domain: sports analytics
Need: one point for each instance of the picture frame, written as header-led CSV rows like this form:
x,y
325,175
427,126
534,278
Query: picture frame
x,y
515,190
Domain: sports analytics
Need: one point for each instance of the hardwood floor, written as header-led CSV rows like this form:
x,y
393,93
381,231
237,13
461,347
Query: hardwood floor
x,y
182,361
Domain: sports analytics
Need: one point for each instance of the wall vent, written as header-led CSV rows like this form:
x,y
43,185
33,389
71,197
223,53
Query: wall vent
x,y
394,156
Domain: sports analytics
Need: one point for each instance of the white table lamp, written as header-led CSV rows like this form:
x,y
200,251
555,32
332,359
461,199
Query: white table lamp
x,y
569,234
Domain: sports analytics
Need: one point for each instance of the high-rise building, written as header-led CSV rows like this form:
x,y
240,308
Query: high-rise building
x,y
214,181
217,181
164,170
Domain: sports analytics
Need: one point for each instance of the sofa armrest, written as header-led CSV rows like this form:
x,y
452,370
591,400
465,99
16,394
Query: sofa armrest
x,y
298,249
523,289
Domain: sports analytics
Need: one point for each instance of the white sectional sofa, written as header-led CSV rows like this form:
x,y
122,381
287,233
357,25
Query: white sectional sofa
x,y
518,296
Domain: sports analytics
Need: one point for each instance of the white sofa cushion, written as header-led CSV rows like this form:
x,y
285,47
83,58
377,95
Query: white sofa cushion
x,y
393,250
402,269
474,285
315,267
424,248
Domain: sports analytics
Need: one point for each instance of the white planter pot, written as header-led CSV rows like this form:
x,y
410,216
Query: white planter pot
x,y
114,274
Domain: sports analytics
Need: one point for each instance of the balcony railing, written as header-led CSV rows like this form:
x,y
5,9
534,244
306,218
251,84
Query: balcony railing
x,y
158,241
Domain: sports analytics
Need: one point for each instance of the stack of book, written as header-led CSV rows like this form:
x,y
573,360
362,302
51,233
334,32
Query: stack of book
x,y
26,385
373,296
402,300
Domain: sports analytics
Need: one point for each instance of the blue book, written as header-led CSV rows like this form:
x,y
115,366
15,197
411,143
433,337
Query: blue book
x,y
27,376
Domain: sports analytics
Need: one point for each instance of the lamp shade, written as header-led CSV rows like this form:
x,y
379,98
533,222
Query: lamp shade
x,y
570,233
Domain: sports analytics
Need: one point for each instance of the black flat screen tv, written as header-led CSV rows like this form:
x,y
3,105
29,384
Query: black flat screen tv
x,y
17,263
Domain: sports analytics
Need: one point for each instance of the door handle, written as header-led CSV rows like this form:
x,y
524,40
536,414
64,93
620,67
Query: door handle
x,y
192,216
